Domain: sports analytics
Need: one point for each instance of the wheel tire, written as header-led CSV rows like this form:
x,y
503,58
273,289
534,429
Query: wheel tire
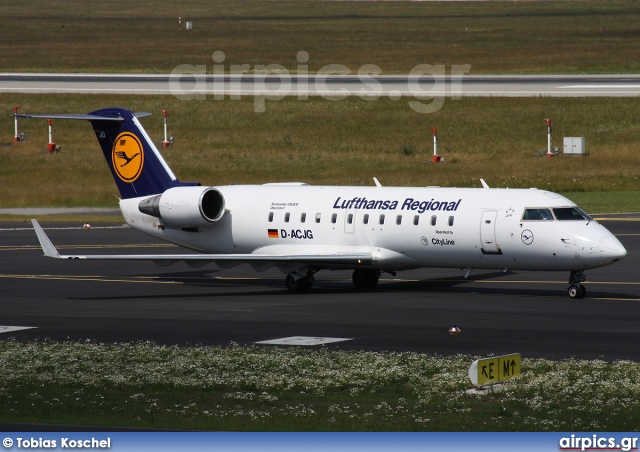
x,y
365,279
574,292
583,291
304,285
291,283
300,285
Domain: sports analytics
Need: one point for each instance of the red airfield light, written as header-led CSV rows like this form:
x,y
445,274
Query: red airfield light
x,y
16,137
166,143
549,152
436,158
51,147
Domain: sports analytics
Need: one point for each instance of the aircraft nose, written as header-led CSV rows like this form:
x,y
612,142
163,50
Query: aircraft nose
x,y
611,249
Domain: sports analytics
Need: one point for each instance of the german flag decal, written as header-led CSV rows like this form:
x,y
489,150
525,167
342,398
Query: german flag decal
x,y
273,233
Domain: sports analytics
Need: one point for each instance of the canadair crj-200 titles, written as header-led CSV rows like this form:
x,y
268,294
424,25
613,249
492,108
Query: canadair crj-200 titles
x,y
302,229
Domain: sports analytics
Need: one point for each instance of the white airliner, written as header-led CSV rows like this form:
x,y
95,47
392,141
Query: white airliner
x,y
302,229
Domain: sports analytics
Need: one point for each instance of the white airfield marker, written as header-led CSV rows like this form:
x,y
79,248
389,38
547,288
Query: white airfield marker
x,y
8,329
304,340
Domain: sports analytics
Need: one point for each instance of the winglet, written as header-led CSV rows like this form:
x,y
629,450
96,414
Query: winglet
x,y
45,243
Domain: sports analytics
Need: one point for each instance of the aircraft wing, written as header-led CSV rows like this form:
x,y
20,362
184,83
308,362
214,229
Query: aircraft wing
x,y
195,260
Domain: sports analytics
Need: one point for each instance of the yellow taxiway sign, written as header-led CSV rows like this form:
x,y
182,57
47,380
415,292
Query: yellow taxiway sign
x,y
494,370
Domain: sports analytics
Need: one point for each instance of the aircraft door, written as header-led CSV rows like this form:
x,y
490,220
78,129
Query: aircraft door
x,y
489,245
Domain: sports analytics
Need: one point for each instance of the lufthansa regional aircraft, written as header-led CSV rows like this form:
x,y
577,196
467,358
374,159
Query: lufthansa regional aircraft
x,y
302,229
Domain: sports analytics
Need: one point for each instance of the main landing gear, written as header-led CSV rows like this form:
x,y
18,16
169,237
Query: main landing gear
x,y
297,283
365,279
576,289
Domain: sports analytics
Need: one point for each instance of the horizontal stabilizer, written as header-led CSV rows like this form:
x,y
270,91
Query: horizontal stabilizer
x,y
136,164
84,117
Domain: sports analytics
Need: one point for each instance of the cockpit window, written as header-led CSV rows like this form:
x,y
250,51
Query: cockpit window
x,y
537,214
570,213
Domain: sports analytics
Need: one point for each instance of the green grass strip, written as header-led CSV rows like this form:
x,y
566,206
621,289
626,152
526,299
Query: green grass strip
x,y
295,389
325,142
589,36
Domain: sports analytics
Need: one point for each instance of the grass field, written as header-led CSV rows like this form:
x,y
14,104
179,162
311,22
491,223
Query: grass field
x,y
344,142
295,389
588,36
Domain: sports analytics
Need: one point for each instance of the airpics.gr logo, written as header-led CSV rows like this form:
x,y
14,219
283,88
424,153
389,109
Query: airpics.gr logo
x,y
127,157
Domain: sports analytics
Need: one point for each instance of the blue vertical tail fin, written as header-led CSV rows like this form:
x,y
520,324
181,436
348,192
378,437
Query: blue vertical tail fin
x,y
137,166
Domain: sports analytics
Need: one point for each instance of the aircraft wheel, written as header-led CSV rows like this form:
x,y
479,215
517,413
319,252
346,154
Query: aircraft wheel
x,y
583,291
300,285
365,279
574,291
291,284
577,291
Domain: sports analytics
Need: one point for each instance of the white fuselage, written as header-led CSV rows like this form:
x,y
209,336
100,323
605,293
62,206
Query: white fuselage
x,y
402,227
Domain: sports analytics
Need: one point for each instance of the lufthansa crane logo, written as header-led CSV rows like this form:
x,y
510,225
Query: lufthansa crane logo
x,y
127,157
527,237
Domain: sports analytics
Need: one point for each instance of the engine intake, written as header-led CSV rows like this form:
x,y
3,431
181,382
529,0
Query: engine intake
x,y
185,207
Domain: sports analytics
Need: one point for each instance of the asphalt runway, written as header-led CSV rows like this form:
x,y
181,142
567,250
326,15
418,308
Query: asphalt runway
x,y
498,313
331,86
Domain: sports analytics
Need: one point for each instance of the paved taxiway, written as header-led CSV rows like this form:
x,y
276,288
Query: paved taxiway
x,y
394,86
498,313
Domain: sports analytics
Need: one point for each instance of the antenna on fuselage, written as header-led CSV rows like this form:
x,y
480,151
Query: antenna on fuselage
x,y
378,184
484,184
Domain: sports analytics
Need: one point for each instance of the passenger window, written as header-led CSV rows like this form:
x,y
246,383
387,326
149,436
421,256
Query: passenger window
x,y
537,215
334,217
450,221
416,219
270,217
303,217
433,220
365,218
286,217
382,219
317,218
570,213
350,218
399,219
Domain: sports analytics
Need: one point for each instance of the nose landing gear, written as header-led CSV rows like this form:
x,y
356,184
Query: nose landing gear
x,y
576,289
